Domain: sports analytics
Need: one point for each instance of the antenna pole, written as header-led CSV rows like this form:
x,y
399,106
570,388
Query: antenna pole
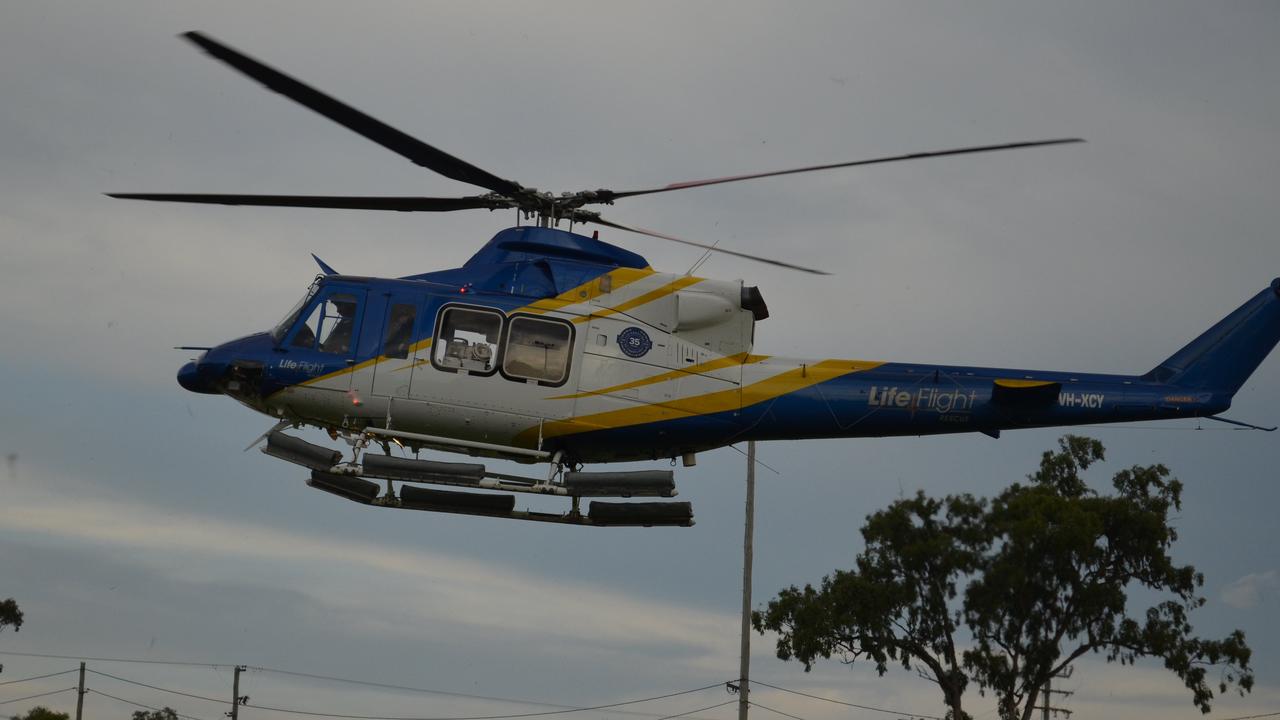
x,y
744,664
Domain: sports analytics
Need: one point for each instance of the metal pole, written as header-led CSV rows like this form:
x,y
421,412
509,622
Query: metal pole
x,y
744,664
80,694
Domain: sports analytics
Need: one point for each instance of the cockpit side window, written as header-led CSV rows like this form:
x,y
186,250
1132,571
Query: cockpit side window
x,y
330,326
467,339
280,330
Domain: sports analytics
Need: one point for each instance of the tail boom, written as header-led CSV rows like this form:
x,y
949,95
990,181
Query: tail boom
x,y
791,398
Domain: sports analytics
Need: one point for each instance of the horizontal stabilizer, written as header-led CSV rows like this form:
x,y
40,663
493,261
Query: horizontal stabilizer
x,y
1024,392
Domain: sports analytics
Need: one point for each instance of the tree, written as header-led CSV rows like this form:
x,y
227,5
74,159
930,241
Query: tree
x,y
10,615
166,713
41,712
897,605
1046,568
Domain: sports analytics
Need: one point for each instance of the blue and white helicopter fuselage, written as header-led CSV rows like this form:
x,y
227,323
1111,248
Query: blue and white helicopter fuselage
x,y
558,347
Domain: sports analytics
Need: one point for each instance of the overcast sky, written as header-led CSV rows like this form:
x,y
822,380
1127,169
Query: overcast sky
x,y
132,525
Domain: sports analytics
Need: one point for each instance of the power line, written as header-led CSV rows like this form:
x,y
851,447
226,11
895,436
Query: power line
x,y
32,697
220,701
1252,717
407,688
899,713
758,461
709,707
779,712
489,717
138,704
37,677
312,676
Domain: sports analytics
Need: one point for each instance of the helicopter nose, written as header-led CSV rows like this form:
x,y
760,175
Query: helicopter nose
x,y
198,378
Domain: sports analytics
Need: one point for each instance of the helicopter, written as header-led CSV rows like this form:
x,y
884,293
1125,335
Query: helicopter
x,y
553,347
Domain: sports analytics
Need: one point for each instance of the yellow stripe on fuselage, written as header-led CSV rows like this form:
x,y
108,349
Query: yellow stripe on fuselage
x,y
781,384
717,364
588,291
420,345
645,299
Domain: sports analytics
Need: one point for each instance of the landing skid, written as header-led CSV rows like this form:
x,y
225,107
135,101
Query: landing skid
x,y
351,480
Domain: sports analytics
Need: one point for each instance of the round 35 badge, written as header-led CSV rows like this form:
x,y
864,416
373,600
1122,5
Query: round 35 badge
x,y
634,342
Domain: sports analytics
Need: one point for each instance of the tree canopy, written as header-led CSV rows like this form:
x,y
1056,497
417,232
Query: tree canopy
x,y
10,615
1034,578
165,713
41,712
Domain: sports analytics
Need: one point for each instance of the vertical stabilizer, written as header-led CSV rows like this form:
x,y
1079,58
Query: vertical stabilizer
x,y
1226,354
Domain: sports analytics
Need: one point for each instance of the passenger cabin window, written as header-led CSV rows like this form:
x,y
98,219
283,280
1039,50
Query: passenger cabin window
x,y
467,339
395,343
330,326
537,349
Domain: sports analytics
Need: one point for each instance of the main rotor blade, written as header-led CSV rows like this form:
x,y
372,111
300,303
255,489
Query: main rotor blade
x,y
812,168
385,135
400,204
592,217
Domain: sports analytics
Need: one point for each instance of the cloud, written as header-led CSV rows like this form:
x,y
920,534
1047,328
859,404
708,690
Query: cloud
x,y
1250,591
450,593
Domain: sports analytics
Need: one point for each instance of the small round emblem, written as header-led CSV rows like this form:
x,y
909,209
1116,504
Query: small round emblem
x,y
634,342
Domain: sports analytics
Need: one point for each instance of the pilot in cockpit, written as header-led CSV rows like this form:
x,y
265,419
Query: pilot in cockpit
x,y
339,339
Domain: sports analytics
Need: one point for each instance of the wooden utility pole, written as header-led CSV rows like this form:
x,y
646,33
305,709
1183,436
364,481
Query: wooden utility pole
x,y
235,694
80,694
744,665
